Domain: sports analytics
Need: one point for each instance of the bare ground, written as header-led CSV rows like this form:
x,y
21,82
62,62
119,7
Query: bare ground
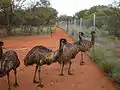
x,y
86,77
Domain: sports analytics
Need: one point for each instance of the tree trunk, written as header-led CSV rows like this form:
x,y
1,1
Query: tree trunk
x,y
38,30
30,30
41,29
8,15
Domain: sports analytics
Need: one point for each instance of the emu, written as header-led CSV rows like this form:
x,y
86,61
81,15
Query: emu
x,y
86,44
72,49
8,61
41,55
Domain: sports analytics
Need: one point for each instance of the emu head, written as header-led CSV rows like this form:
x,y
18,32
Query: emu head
x,y
63,41
59,52
29,59
1,43
93,33
81,34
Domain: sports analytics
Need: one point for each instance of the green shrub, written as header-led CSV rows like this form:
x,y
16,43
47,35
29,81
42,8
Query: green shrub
x,y
98,54
107,61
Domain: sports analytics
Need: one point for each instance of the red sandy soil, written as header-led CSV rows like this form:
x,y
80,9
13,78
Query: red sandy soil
x,y
86,77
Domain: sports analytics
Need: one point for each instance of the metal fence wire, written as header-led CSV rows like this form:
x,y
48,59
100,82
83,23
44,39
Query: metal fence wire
x,y
103,37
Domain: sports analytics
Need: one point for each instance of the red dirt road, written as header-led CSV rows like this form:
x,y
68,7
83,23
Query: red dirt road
x,y
86,77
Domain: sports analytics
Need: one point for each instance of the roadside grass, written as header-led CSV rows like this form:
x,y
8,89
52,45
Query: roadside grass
x,y
107,61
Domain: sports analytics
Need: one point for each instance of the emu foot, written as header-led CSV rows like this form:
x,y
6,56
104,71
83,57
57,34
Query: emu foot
x,y
16,85
40,85
9,88
34,81
69,73
61,74
82,63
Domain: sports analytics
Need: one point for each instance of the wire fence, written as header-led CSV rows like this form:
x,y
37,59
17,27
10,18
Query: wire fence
x,y
32,30
28,30
74,28
103,37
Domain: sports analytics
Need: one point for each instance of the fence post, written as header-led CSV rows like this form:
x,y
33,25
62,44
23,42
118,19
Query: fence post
x,y
51,30
80,24
94,30
94,21
67,25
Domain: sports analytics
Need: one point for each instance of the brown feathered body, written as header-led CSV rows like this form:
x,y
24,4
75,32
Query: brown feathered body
x,y
70,50
9,61
40,55
84,45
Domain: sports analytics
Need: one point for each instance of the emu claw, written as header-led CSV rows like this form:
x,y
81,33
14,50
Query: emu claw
x,y
61,74
81,63
40,85
35,81
16,85
9,88
69,73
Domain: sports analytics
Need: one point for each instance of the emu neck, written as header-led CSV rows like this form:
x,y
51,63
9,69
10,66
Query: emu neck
x,y
92,40
80,37
60,48
1,52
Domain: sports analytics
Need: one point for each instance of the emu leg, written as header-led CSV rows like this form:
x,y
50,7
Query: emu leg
x,y
69,73
51,34
16,83
81,63
8,81
61,74
34,81
39,71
